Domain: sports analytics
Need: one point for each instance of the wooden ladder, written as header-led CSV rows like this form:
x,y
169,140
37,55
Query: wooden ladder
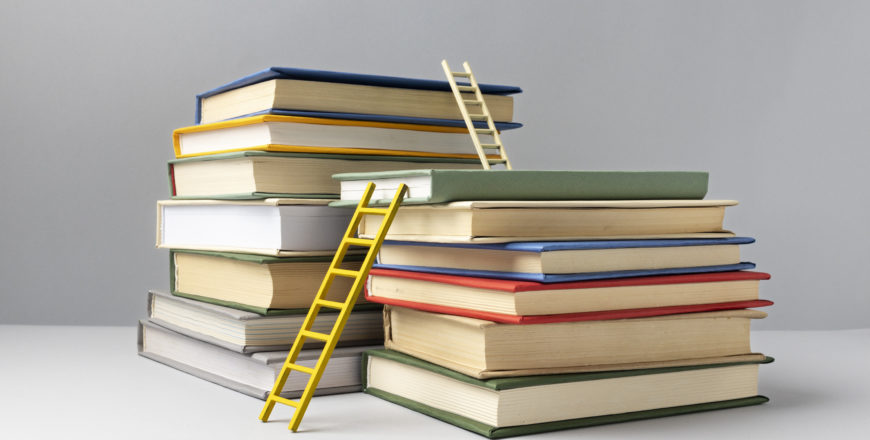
x,y
482,114
344,308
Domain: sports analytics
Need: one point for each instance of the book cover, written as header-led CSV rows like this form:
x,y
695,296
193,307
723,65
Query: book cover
x,y
516,383
343,78
441,186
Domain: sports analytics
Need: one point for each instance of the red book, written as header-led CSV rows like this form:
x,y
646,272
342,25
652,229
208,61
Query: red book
x,y
527,302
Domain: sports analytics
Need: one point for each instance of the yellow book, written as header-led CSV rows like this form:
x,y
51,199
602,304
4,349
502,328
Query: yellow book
x,y
297,134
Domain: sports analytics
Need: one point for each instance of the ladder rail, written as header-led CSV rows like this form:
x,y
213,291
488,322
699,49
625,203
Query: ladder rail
x,y
483,115
331,340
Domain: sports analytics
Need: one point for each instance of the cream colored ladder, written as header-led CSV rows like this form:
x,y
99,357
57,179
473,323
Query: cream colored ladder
x,y
320,301
470,118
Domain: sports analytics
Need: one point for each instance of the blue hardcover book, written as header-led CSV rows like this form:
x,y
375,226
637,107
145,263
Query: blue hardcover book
x,y
560,261
389,99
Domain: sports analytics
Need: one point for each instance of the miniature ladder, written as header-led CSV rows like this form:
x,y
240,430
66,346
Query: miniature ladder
x,y
344,308
483,115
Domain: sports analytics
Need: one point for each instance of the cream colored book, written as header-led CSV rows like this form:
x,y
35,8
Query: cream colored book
x,y
482,221
499,408
322,96
480,348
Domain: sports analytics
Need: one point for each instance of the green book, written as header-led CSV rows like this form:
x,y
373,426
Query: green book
x,y
506,407
257,283
261,174
441,186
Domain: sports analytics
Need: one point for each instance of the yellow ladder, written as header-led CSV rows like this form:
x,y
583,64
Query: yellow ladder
x,y
482,115
344,308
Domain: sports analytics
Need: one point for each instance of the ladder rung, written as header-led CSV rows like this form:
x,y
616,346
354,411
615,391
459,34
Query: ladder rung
x,y
472,101
300,368
314,335
373,210
462,74
345,272
359,241
491,146
330,304
477,117
496,161
466,88
289,402
484,130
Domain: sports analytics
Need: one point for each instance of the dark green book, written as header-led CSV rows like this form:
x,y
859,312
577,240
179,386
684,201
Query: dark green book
x,y
508,407
256,283
261,174
441,186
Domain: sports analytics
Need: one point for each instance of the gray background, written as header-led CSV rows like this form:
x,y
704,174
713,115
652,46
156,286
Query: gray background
x,y
771,97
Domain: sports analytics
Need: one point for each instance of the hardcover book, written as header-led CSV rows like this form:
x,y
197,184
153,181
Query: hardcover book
x,y
277,227
252,374
317,135
248,332
262,175
497,408
481,348
430,186
506,221
562,260
340,92
256,283
513,301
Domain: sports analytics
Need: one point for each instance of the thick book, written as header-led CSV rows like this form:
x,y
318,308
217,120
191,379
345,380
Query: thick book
x,y
262,175
330,136
497,408
564,260
482,348
252,374
277,227
341,92
551,220
248,332
427,186
512,301
257,283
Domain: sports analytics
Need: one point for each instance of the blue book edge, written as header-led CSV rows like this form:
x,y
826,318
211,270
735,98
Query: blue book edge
x,y
560,278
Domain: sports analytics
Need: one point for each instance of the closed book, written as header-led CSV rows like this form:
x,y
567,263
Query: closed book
x,y
262,174
277,227
252,374
342,92
481,348
552,220
513,301
248,332
563,260
257,283
427,186
317,135
506,407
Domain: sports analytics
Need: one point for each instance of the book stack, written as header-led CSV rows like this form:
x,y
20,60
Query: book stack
x,y
248,227
522,301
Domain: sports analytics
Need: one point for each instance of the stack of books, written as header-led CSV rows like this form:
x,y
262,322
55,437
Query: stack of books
x,y
523,301
248,227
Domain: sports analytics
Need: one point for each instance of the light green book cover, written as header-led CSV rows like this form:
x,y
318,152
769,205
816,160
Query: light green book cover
x,y
502,384
440,186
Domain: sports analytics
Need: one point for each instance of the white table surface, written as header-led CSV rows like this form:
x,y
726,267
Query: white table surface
x,y
88,382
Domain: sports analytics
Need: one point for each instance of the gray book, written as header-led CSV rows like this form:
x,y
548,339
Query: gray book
x,y
247,332
253,374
